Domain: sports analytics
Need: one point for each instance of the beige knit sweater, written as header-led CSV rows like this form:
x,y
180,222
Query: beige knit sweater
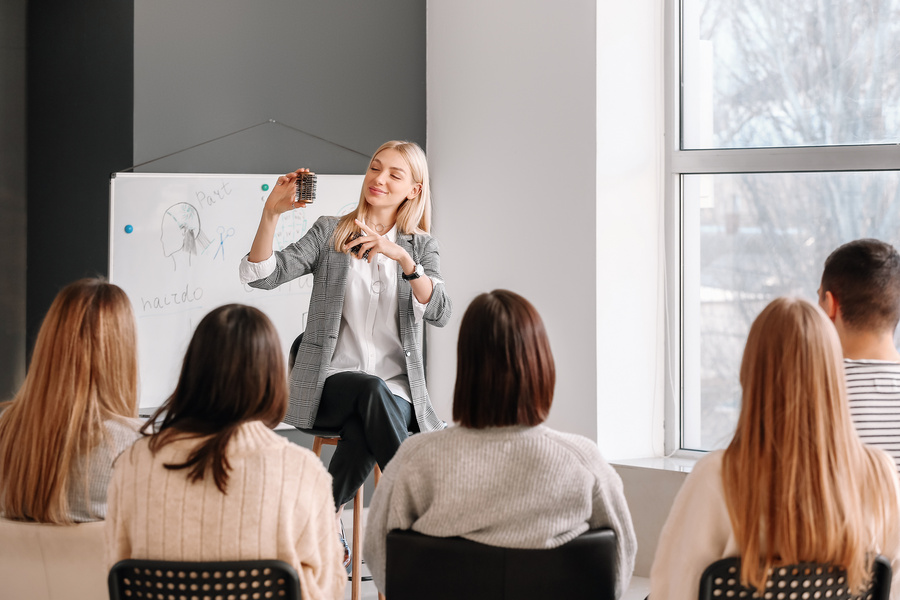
x,y
278,505
514,487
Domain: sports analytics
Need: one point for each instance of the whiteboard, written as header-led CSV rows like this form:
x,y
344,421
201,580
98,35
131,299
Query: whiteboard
x,y
175,244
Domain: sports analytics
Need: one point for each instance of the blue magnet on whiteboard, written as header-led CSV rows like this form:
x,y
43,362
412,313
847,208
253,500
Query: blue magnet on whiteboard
x,y
265,187
129,229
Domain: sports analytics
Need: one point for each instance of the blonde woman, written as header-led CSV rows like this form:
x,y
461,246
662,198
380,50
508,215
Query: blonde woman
x,y
75,412
376,279
795,484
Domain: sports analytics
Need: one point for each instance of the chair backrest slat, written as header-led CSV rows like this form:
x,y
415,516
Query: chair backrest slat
x,y
802,581
135,579
421,566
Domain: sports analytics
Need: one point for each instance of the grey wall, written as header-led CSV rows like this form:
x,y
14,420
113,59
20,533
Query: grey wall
x,y
12,195
349,72
112,84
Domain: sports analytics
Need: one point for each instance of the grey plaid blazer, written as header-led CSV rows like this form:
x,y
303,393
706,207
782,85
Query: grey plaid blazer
x,y
314,253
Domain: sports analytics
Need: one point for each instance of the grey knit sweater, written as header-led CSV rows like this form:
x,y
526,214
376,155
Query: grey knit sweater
x,y
515,487
90,475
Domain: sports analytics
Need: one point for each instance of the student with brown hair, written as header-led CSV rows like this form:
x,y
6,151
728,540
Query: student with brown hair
x,y
214,482
501,477
795,484
76,411
860,293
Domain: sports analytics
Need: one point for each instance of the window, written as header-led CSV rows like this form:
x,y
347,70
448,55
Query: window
x,y
787,129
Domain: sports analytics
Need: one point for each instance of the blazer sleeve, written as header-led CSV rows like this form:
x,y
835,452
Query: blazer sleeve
x,y
439,307
300,258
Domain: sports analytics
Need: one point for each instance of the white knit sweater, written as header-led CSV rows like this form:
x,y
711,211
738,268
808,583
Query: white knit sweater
x,y
278,505
514,487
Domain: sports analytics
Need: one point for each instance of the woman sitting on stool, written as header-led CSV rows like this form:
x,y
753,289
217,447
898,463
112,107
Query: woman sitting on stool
x,y
501,478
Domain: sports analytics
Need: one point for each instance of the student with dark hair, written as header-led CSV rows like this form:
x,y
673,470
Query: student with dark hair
x,y
860,293
214,482
500,477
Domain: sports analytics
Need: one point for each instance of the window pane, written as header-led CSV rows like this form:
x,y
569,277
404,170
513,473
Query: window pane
x,y
749,238
762,73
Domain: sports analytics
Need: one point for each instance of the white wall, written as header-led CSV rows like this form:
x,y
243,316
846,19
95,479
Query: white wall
x,y
512,147
544,140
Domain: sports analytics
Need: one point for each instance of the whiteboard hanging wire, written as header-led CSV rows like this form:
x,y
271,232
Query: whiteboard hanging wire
x,y
221,137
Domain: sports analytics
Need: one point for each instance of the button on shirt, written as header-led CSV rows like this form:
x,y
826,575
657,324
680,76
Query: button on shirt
x,y
369,336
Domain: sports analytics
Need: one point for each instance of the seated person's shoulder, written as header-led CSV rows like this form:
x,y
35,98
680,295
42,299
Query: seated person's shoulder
x,y
581,448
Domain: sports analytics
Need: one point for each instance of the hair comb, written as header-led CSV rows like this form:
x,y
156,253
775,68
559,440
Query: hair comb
x,y
306,188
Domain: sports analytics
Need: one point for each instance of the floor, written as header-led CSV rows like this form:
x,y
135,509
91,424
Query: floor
x,y
638,590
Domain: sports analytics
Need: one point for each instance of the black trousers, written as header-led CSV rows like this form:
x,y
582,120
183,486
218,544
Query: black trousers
x,y
373,423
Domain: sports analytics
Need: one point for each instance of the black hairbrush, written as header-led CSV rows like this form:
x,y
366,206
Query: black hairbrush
x,y
306,188
355,249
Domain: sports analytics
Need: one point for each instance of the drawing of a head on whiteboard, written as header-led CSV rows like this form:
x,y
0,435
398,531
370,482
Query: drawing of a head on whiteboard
x,y
181,232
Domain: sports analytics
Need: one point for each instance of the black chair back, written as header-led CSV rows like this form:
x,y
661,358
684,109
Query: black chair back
x,y
134,579
420,566
722,579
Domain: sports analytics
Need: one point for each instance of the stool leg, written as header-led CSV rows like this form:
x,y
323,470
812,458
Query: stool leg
x,y
317,446
356,568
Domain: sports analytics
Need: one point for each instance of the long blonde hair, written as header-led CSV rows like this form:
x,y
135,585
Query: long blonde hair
x,y
799,484
413,216
83,371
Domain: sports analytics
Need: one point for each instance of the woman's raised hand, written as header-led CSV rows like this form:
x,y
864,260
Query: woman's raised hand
x,y
281,198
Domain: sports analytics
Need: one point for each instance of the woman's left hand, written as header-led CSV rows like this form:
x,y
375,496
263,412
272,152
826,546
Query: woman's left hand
x,y
377,244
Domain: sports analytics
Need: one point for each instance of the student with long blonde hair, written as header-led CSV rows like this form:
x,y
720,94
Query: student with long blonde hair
x,y
376,282
75,412
795,484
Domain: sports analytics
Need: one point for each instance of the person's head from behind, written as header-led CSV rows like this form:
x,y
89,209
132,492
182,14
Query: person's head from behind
x,y
505,374
861,283
83,371
233,373
795,465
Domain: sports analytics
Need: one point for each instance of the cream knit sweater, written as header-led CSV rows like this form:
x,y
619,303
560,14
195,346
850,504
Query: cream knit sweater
x,y
514,487
278,505
698,532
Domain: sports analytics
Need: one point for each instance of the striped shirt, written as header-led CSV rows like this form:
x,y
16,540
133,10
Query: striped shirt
x,y
873,392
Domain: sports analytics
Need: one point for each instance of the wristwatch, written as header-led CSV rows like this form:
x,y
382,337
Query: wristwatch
x,y
418,272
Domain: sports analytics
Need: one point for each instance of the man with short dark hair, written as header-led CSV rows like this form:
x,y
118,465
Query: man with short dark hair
x,y
860,292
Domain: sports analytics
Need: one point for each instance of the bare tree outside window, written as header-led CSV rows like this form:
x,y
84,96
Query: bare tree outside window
x,y
775,74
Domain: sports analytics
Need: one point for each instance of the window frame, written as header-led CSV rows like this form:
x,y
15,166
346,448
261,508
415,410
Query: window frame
x,y
679,162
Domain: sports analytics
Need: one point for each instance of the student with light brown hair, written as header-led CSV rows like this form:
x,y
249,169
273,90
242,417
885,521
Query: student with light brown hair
x,y
76,411
795,484
501,477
